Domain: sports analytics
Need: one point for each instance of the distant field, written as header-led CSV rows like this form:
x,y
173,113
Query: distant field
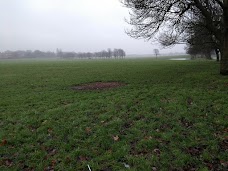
x,y
171,115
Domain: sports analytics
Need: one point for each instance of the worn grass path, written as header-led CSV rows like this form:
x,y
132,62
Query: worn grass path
x,y
172,115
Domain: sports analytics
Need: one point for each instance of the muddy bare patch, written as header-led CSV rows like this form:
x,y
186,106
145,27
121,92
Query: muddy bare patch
x,y
98,86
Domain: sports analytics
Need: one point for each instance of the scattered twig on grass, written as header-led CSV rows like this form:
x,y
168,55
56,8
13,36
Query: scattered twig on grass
x,y
89,168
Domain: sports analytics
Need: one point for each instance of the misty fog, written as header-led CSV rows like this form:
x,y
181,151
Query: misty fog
x,y
72,25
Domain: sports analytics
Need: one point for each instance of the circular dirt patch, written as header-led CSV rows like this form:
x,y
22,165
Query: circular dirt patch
x,y
98,86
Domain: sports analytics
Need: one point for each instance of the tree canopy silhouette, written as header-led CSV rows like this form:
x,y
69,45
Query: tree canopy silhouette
x,y
168,21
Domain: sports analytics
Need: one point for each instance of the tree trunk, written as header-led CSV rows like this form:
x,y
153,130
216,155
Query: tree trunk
x,y
224,53
224,56
217,54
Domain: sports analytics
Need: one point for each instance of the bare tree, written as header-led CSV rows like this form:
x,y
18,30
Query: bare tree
x,y
156,52
115,53
121,53
109,53
59,53
174,16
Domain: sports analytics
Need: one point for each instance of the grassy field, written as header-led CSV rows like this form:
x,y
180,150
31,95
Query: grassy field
x,y
171,115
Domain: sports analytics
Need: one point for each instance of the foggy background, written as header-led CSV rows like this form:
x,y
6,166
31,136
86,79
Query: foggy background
x,y
72,25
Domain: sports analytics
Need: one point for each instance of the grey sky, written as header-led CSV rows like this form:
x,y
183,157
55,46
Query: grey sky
x,y
72,25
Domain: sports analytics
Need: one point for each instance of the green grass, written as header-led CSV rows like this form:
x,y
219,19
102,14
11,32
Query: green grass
x,y
172,115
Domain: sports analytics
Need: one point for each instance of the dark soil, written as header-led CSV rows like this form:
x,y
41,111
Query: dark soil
x,y
98,86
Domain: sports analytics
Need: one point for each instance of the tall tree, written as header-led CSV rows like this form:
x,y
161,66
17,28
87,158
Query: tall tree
x,y
171,18
156,52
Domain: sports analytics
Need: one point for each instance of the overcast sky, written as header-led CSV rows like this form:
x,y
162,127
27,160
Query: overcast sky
x,y
72,25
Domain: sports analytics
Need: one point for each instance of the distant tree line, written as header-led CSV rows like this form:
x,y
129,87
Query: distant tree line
x,y
116,53
26,54
104,54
